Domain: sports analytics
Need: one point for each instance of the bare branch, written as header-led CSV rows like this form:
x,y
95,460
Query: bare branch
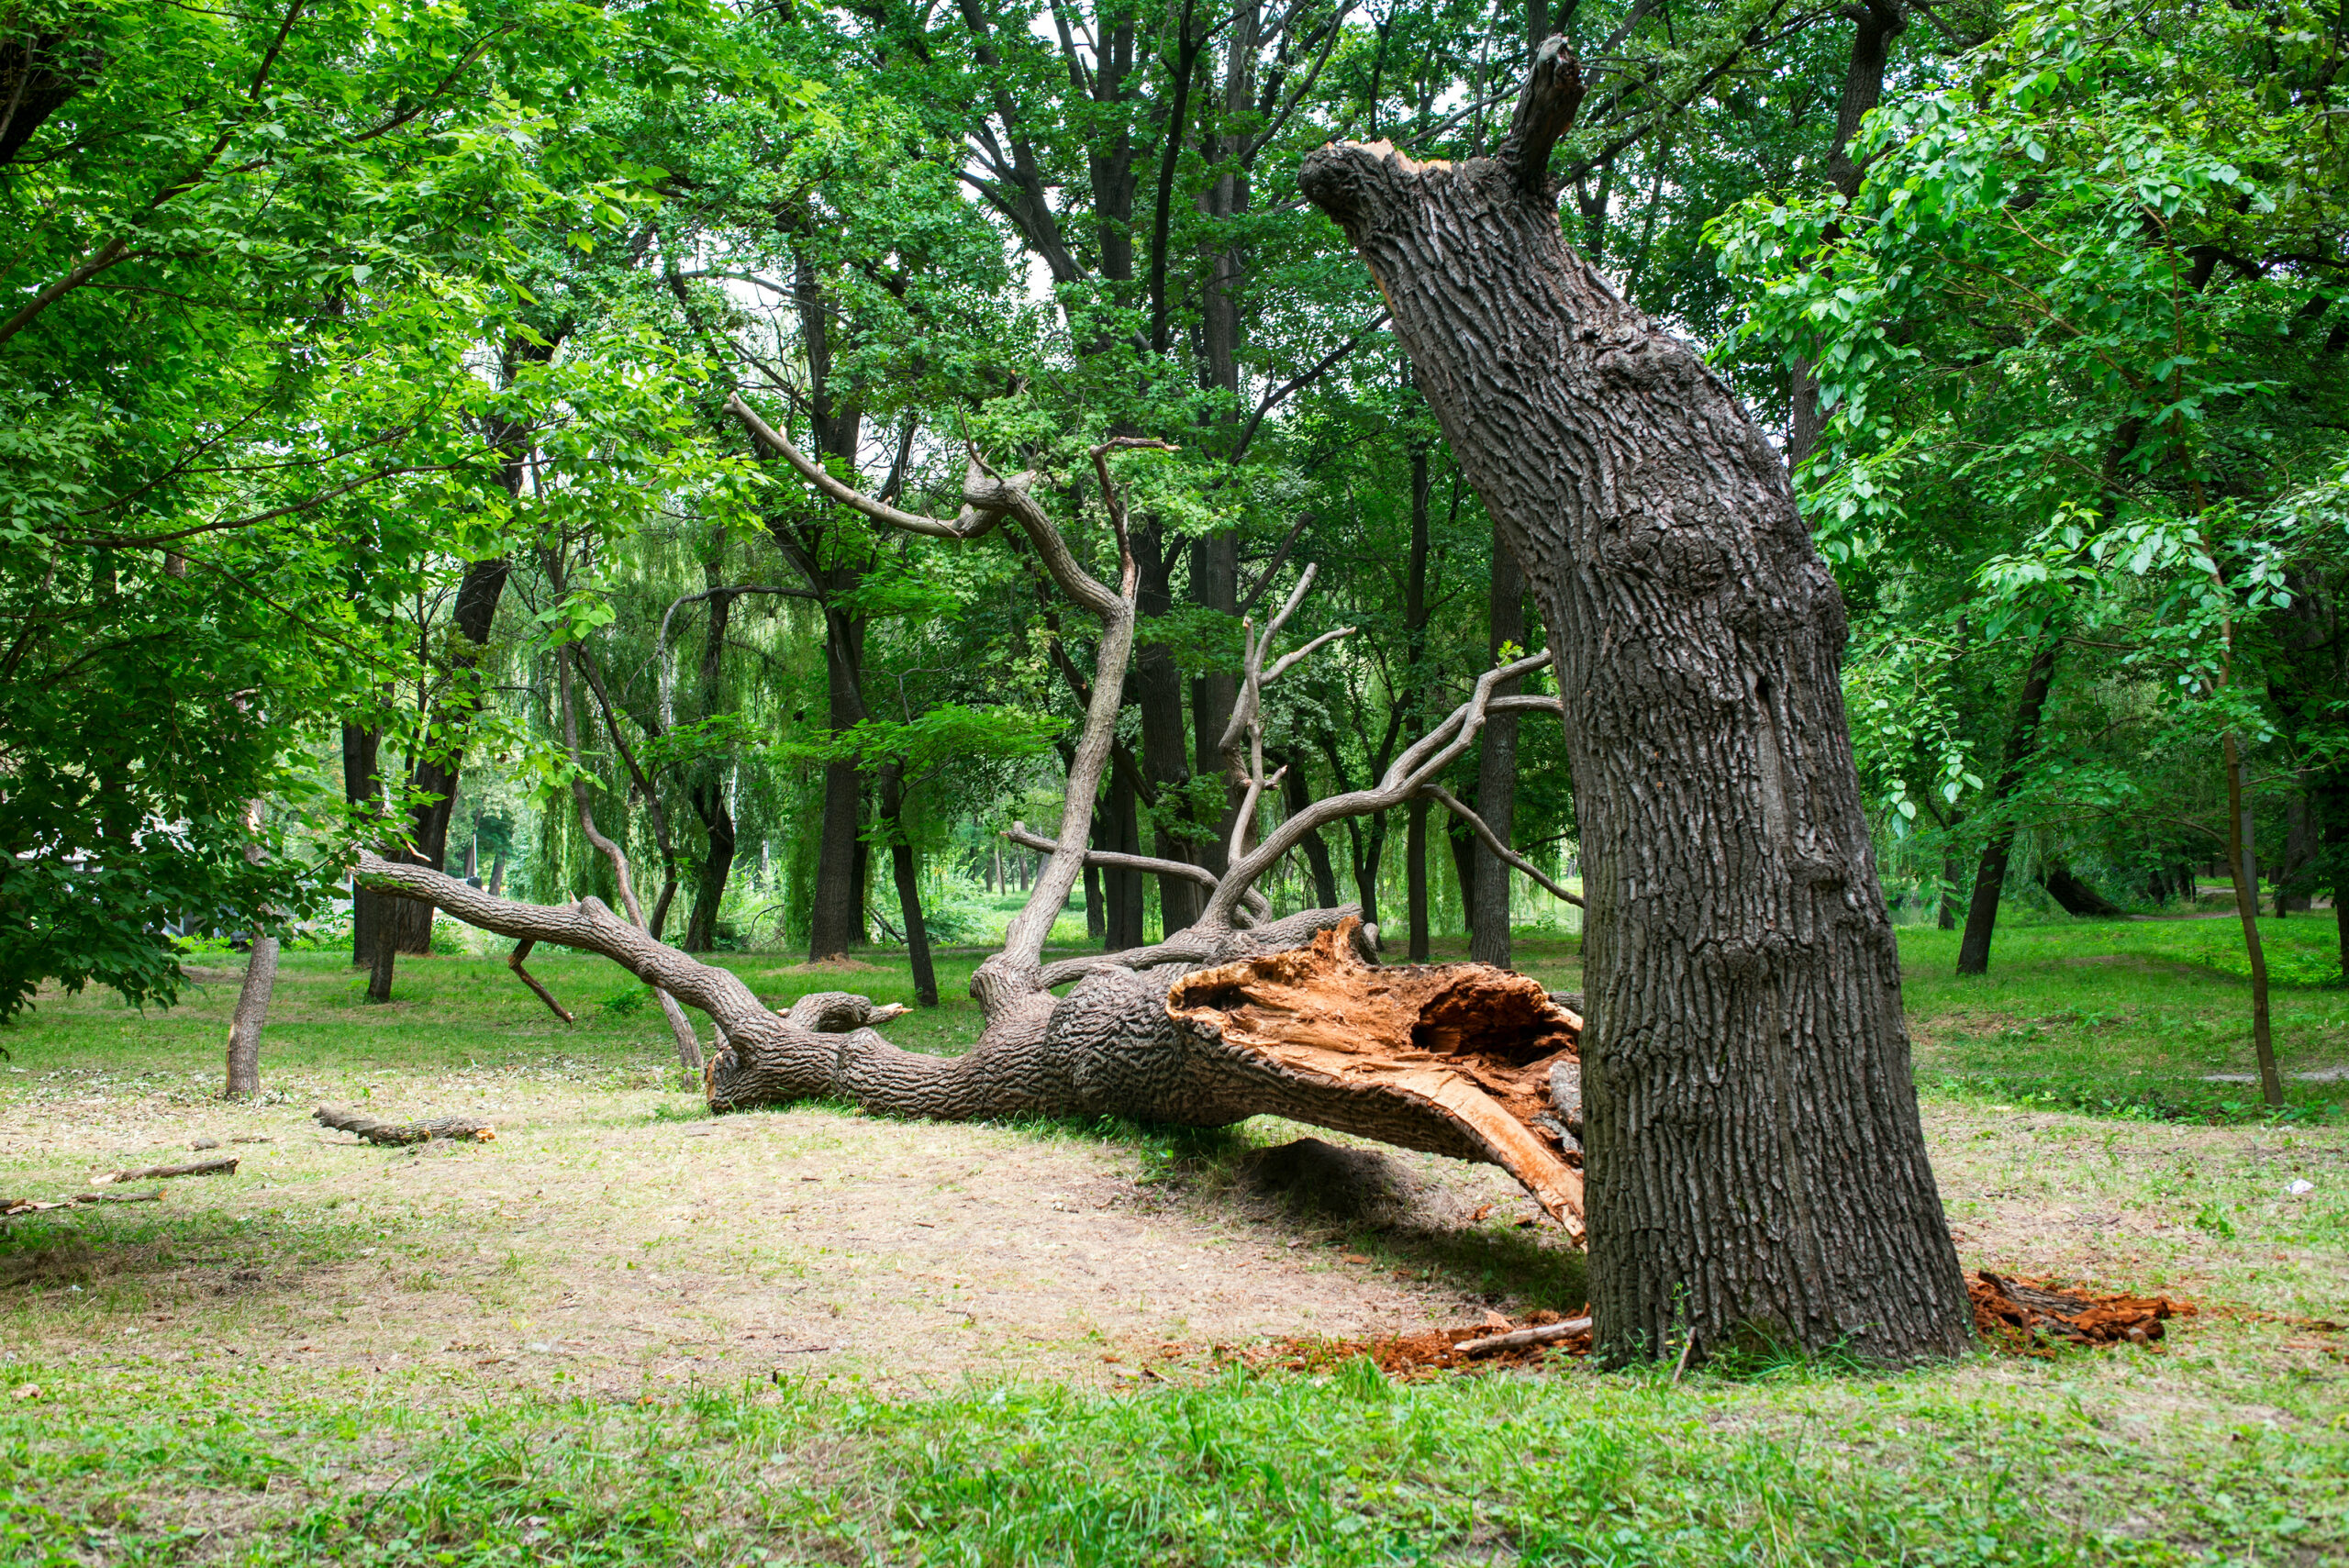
x,y
514,961
1419,763
1492,841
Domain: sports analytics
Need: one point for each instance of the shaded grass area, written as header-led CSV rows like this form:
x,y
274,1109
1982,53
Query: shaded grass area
x,y
2128,1017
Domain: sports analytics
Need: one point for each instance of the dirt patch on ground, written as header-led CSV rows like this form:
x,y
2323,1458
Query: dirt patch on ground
x,y
617,1243
598,1242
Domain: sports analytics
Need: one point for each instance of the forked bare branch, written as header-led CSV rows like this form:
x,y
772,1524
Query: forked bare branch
x,y
1492,841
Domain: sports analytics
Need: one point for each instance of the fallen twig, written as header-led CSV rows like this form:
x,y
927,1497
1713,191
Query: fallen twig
x,y
227,1167
370,1130
1520,1339
10,1207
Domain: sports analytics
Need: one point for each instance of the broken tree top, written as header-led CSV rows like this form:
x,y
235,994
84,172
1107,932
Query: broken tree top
x,y
1458,1059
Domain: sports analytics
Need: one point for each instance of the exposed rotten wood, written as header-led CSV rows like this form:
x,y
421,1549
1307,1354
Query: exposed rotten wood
x,y
1473,1045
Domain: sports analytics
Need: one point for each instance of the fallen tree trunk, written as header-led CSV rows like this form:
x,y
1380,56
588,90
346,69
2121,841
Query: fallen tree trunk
x,y
1292,1018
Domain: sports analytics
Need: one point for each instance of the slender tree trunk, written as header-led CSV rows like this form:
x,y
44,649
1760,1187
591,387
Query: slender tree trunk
x,y
837,919
2246,881
1215,585
908,880
1296,796
1879,23
1945,915
1756,1163
1990,874
1415,875
1165,748
252,1014
361,788
1488,921
709,797
1415,637
1123,887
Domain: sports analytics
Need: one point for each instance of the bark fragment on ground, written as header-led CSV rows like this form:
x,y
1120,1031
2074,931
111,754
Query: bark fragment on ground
x,y
2029,1315
1432,1056
371,1130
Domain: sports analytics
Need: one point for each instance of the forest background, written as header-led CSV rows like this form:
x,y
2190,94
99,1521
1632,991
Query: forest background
x,y
368,478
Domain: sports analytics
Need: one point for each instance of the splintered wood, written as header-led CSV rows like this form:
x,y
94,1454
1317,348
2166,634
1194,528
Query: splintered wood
x,y
1476,1045
1418,1357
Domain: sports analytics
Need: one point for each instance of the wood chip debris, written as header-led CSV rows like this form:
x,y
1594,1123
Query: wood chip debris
x,y
2029,1315
1416,1358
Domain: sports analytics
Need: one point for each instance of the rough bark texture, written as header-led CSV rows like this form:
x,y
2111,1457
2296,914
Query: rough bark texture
x,y
1757,1166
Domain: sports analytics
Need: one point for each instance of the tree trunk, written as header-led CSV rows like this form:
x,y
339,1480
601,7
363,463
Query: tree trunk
x,y
2241,870
1215,585
363,788
1462,839
1757,1165
379,969
908,880
1879,22
836,922
1415,640
708,798
252,1013
1123,887
1488,930
1990,875
1165,748
1415,875
1296,796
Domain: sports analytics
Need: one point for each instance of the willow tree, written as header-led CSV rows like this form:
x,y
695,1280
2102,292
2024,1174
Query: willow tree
x,y
1756,1163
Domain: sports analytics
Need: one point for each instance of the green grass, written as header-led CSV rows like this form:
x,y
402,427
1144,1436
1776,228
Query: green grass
x,y
2228,1444
1798,1465
2128,1017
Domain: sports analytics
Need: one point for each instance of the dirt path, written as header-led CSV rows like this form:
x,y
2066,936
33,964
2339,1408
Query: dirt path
x,y
598,1243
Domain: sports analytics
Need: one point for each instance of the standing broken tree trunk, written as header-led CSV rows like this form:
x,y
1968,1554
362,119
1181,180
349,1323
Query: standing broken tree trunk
x,y
1756,1162
252,1013
252,996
